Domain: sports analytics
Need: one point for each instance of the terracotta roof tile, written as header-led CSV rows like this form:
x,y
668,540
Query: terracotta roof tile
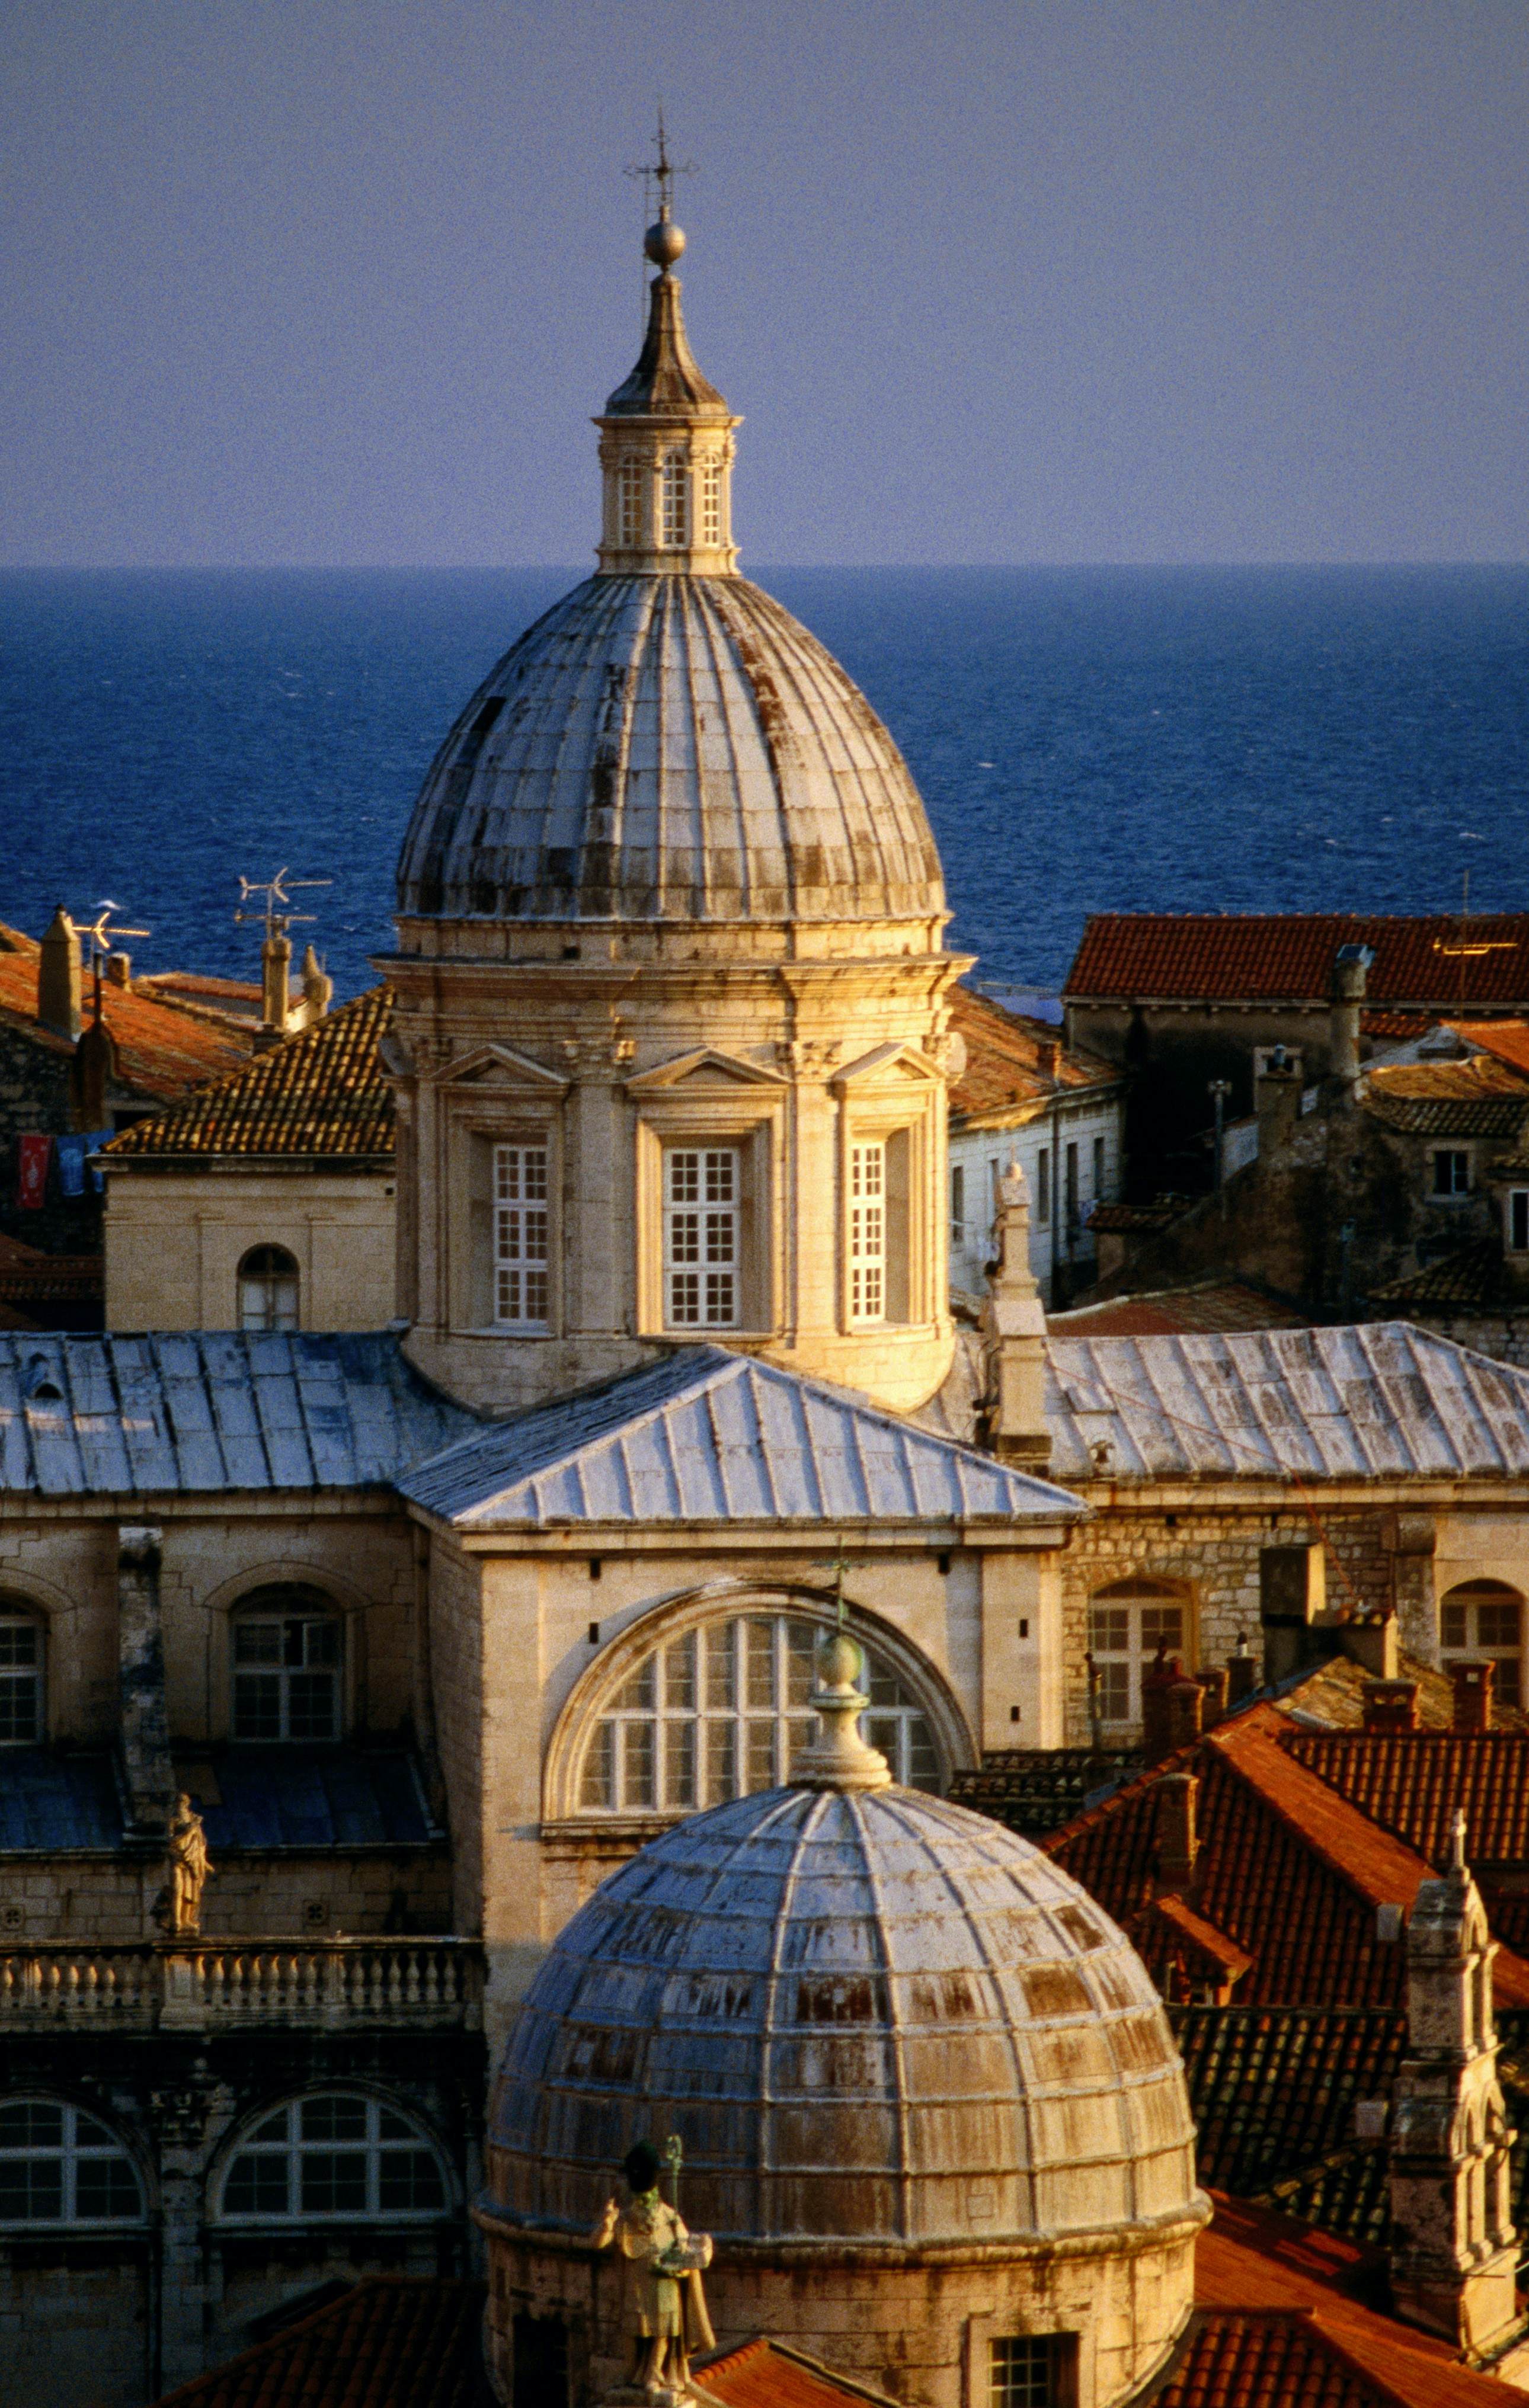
x,y
1472,1280
1273,2090
321,1094
1199,1938
162,1051
393,2342
1507,1041
764,2374
1210,1304
1413,1782
1477,1077
1002,1084
1033,1791
1196,956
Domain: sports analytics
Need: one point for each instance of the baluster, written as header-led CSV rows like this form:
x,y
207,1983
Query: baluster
x,y
412,1982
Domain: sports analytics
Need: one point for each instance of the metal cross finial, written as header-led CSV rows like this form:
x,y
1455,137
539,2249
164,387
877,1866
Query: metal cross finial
x,y
839,1565
660,172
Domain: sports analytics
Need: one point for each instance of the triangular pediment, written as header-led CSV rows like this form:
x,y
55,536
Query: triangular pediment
x,y
706,1067
500,1067
898,1063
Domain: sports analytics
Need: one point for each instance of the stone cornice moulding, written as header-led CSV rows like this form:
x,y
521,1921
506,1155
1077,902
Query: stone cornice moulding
x,y
706,1057
904,1057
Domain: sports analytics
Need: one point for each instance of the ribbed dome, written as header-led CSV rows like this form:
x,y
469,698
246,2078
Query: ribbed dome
x,y
878,2018
670,748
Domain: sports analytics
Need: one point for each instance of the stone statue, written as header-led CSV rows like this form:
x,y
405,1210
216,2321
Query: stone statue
x,y
180,1903
665,2316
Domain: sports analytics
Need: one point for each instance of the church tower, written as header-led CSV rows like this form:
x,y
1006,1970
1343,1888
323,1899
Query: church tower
x,y
670,1032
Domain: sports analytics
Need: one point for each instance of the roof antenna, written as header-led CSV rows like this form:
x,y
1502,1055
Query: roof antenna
x,y
268,903
102,937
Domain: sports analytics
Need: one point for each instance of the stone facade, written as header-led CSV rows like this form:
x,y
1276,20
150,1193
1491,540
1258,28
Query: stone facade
x,y
175,1240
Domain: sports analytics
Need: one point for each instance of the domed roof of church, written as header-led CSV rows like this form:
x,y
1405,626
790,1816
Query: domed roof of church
x,y
670,747
873,2018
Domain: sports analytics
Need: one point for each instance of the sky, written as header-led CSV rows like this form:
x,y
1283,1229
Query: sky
x,y
341,282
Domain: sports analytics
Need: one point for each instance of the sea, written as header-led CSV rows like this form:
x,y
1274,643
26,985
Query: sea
x,y
1086,739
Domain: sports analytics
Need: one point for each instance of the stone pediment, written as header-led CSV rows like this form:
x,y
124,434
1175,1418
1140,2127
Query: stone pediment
x,y
500,1067
893,1063
706,1066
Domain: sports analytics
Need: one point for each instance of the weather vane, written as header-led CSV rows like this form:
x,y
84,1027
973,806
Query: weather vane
x,y
272,898
660,171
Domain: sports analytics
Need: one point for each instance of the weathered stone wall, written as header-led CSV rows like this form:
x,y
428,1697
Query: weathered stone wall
x,y
174,1244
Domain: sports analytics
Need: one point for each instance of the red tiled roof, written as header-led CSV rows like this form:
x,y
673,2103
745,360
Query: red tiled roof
x,y
1288,1870
322,1093
1413,1782
1273,2090
394,2342
1002,1084
161,1049
1211,1304
1200,1937
1472,1081
1257,2264
1240,957
1507,1041
765,2375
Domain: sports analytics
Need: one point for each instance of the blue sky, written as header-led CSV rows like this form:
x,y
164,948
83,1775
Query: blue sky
x,y
323,282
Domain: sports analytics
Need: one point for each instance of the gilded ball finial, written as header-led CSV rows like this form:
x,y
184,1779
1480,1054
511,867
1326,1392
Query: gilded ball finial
x,y
663,243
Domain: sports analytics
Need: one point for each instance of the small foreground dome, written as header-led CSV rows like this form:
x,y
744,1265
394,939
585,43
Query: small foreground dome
x,y
870,2018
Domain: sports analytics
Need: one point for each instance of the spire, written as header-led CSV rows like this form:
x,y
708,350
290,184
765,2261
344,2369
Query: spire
x,y
840,1759
666,434
1014,1329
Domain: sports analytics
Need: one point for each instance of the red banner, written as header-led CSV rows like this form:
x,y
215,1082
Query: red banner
x,y
32,1183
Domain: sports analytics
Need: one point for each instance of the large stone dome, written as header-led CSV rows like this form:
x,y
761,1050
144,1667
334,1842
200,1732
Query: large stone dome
x,y
670,748
872,2019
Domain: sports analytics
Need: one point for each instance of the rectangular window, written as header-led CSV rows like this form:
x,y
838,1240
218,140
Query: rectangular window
x,y
676,498
711,504
1451,1172
866,1232
1124,1634
630,496
520,1237
958,1208
1099,1169
702,1187
1021,2371
1043,1188
21,1681
1517,1220
1071,1187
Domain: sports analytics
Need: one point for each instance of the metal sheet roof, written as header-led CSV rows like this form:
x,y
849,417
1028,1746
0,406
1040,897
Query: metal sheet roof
x,y
49,1801
711,1436
209,1409
309,1798
1380,1403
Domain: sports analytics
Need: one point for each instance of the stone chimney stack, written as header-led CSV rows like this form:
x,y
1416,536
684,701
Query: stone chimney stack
x,y
318,988
1178,1840
1350,975
1452,2252
275,983
1014,1329
60,989
1390,1706
1276,1099
1472,1685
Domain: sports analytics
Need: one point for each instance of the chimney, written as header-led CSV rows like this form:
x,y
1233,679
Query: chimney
x,y
59,987
1049,1059
1454,2254
318,989
1472,1686
120,968
1186,1704
1350,975
275,969
1242,1674
1158,1681
1214,1687
1276,1097
1179,1843
1013,1331
1391,1706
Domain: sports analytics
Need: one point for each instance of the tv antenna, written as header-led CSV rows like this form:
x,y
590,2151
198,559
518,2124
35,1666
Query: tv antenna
x,y
272,901
1466,948
101,939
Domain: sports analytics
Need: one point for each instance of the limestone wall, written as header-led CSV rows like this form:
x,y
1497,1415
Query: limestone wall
x,y
174,1244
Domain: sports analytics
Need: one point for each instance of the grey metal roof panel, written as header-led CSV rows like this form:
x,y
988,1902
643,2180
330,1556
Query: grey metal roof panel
x,y
312,1798
1384,1400
707,1436
199,1411
50,1801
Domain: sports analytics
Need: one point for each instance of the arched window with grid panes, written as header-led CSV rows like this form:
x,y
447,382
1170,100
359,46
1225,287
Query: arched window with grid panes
x,y
333,2157
720,1711
288,1663
60,2165
1481,1621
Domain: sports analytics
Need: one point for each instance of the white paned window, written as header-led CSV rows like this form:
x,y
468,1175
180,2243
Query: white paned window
x,y
59,2166
1482,1622
676,501
701,1236
268,1289
1019,2369
520,1236
20,1679
1451,1172
629,503
711,504
866,1232
286,1670
721,1713
333,2157
1126,1628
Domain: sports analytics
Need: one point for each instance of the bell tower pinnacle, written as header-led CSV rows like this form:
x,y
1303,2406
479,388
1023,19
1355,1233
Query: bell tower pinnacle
x,y
666,435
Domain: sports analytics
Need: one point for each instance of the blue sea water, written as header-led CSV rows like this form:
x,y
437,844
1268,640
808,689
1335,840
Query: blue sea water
x,y
1171,740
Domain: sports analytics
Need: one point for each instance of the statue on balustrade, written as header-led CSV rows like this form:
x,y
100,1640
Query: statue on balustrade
x,y
179,1906
665,2314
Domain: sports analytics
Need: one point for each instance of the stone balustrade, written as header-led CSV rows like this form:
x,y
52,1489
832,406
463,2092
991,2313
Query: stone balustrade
x,y
389,1984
